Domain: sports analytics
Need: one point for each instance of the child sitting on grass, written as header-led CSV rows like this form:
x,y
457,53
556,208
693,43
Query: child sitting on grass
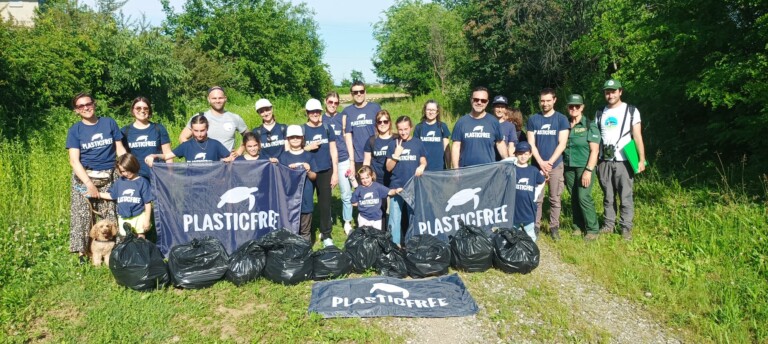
x,y
133,197
530,182
368,197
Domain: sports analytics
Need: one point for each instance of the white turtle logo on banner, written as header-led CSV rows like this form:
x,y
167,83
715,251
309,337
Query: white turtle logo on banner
x,y
463,197
239,194
390,288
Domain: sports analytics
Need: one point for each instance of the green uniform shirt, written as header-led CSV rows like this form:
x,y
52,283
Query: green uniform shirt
x,y
576,151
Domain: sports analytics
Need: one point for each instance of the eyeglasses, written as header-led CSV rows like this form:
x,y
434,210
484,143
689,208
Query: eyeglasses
x,y
358,92
330,102
295,137
263,110
480,100
139,108
382,122
83,106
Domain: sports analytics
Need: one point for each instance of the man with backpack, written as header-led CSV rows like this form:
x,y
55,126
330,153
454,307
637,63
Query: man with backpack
x,y
619,123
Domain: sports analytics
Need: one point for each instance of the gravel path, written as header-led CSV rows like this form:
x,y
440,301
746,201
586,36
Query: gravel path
x,y
623,321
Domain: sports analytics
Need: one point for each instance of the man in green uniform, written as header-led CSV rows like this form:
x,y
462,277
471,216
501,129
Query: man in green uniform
x,y
580,159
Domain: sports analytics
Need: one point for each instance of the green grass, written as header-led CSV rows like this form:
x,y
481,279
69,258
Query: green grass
x,y
701,253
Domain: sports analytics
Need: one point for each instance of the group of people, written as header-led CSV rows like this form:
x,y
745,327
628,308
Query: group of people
x,y
375,160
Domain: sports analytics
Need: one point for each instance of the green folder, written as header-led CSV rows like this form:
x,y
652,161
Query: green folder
x,y
630,151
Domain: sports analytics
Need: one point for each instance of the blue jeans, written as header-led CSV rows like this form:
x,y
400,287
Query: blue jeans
x,y
530,231
346,191
396,207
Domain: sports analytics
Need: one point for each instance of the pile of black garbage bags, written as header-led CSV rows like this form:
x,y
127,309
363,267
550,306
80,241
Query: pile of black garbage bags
x,y
286,258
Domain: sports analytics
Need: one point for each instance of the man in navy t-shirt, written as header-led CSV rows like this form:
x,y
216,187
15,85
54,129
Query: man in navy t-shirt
x,y
548,135
477,135
359,127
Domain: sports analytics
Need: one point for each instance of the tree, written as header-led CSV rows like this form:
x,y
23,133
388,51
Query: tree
x,y
273,45
420,46
357,75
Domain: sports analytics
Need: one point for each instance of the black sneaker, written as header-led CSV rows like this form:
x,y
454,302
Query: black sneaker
x,y
606,230
555,233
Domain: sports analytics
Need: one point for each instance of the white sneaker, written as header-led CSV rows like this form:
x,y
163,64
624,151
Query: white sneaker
x,y
347,227
327,242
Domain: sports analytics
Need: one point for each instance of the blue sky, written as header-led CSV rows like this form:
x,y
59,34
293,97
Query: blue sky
x,y
346,27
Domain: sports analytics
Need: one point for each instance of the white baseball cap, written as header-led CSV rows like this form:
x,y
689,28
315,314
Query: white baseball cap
x,y
262,103
294,130
313,105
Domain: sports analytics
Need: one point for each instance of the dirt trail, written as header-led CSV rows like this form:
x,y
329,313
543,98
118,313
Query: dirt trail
x,y
622,320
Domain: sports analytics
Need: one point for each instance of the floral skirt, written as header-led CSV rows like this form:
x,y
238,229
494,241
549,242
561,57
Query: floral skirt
x,y
82,218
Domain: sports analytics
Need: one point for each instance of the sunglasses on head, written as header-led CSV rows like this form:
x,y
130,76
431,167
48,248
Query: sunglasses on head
x,y
358,92
480,100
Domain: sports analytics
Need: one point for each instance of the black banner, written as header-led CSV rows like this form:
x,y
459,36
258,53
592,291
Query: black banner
x,y
440,297
482,196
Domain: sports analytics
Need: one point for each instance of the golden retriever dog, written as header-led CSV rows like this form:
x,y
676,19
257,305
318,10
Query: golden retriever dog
x,y
103,235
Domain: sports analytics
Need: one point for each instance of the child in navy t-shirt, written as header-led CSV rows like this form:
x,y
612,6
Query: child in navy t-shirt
x,y
529,183
368,198
133,196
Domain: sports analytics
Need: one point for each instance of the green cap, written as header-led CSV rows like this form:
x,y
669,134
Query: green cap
x,y
575,99
612,85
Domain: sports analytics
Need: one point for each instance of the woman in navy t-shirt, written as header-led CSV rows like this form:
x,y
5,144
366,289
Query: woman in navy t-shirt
x,y
320,142
143,137
201,149
379,146
92,144
434,134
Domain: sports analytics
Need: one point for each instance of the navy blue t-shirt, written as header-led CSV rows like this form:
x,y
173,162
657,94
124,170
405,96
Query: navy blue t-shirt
x,y
143,142
525,201
287,158
410,159
546,130
272,141
195,151
432,135
369,199
510,135
95,142
323,135
478,139
131,196
380,149
361,122
336,124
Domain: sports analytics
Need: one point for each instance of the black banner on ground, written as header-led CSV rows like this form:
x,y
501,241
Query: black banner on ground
x,y
440,297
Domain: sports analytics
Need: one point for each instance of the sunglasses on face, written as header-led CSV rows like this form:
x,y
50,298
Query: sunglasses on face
x,y
358,92
263,110
573,106
330,102
385,121
140,108
480,100
83,106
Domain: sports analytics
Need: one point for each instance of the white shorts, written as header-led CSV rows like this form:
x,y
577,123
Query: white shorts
x,y
361,221
136,222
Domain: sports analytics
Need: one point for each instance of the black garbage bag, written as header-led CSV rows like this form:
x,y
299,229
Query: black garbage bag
x,y
198,264
289,257
138,264
246,263
363,246
471,249
427,256
391,262
514,251
330,262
